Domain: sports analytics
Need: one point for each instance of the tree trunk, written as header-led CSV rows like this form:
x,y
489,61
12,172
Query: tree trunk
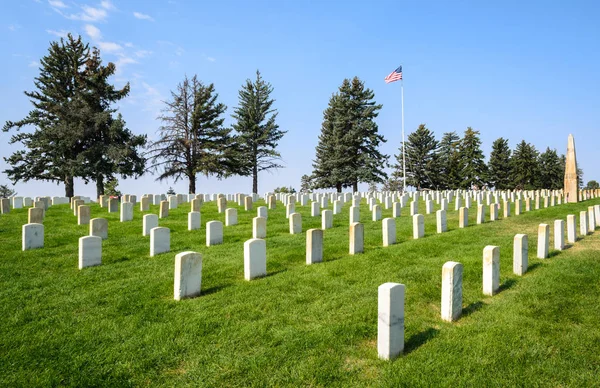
x,y
69,187
338,187
355,186
192,185
255,179
99,185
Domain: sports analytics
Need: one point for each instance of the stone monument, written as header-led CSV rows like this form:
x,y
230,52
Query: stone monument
x,y
571,178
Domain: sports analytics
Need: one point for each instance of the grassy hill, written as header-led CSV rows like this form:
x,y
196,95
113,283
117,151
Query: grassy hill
x,y
118,325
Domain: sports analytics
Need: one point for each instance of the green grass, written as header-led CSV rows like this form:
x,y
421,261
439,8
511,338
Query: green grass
x,y
118,325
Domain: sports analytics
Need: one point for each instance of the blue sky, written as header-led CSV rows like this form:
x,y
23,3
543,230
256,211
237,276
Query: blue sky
x,y
520,70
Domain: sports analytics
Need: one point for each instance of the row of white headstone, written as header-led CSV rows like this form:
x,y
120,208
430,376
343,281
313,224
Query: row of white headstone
x,y
390,324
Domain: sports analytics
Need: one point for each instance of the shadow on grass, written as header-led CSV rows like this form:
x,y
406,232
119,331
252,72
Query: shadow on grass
x,y
532,267
213,290
507,285
553,254
273,273
419,339
473,307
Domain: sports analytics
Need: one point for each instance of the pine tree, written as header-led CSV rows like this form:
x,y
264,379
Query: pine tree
x,y
305,183
258,133
53,150
524,166
6,192
449,161
110,148
357,113
421,159
473,170
592,185
192,138
333,160
551,172
499,166
110,188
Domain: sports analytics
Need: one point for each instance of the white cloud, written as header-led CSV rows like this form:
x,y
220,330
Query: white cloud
x,y
143,16
211,59
34,64
128,44
60,34
13,27
93,31
109,47
89,14
142,53
57,4
107,4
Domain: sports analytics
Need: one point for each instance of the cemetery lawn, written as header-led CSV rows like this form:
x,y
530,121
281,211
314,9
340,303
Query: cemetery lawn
x,y
118,325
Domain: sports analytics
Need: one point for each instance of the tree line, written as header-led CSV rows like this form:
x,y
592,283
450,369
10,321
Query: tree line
x,y
456,162
77,132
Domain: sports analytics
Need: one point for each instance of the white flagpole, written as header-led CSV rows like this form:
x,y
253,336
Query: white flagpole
x,y
403,147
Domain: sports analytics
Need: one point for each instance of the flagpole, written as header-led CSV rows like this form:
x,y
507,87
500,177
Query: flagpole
x,y
403,146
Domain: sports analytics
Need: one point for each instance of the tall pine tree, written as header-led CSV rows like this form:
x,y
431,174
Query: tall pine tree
x,y
348,148
52,151
421,159
473,169
551,172
524,166
110,147
449,161
258,133
499,166
192,138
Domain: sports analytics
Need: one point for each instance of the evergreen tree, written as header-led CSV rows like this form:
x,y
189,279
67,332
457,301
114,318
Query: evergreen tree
x,y
333,160
52,151
499,166
421,159
258,133
449,161
348,148
192,138
110,148
592,185
305,183
473,169
171,191
551,172
6,192
393,183
524,166
110,188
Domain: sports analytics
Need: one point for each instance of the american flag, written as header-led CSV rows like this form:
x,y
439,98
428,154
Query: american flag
x,y
395,75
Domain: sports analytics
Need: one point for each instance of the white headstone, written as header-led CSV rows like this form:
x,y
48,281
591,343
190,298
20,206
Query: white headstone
x,y
259,227
194,220
295,223
327,219
357,238
314,246
188,275
418,226
452,274
231,217
543,245
520,254
389,231
33,236
354,214
491,270
214,233
463,217
262,211
160,240
90,251
442,226
99,228
126,211
255,258
390,320
150,221
559,235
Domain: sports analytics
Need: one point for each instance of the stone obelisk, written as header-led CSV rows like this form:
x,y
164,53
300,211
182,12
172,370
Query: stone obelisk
x,y
571,178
